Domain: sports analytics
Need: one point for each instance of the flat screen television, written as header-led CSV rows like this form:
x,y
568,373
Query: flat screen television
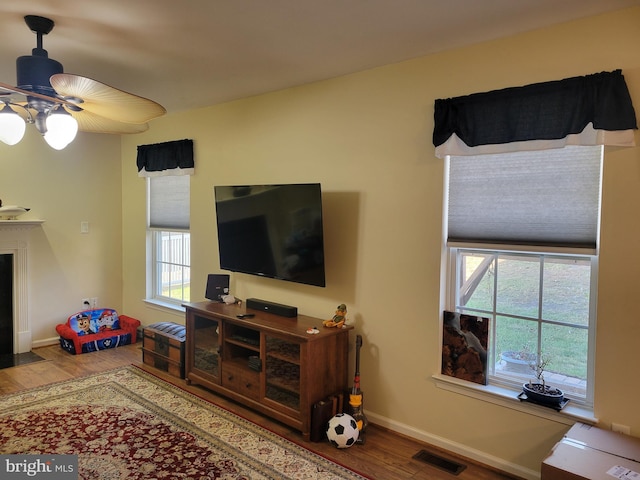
x,y
272,231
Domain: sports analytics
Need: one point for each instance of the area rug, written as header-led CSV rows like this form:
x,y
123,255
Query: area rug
x,y
129,424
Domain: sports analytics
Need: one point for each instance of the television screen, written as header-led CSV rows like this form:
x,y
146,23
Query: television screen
x,y
272,230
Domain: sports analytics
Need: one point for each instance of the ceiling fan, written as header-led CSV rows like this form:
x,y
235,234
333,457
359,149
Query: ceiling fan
x,y
59,104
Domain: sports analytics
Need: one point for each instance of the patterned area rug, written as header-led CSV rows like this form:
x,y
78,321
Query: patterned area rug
x,y
128,424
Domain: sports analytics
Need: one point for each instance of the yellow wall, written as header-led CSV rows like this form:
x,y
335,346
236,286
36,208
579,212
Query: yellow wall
x,y
64,188
366,138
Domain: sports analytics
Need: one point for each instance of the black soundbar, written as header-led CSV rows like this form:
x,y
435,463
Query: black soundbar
x,y
276,308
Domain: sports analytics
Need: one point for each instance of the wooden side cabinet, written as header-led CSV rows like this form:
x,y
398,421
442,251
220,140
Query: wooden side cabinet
x,y
269,363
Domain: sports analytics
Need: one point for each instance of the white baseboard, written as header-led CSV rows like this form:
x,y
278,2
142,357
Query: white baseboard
x,y
459,449
46,342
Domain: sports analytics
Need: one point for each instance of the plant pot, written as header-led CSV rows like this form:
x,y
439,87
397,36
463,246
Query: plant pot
x,y
544,394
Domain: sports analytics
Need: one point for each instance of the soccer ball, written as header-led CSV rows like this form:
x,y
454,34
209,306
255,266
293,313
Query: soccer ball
x,y
342,430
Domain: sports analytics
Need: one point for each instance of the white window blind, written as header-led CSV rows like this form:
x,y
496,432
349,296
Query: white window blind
x,y
545,198
169,202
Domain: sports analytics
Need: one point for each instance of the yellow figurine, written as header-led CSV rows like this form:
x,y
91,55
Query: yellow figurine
x,y
338,319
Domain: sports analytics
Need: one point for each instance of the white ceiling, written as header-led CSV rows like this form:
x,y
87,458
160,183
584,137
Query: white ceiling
x,y
193,53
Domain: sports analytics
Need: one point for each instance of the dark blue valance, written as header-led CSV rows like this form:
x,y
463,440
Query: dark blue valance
x,y
168,158
541,111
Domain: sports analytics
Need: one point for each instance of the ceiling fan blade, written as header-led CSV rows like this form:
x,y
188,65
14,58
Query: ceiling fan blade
x,y
9,89
4,91
87,121
104,100
93,123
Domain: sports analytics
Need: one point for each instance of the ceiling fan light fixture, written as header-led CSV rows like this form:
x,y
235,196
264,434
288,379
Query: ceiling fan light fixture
x,y
61,129
12,126
59,104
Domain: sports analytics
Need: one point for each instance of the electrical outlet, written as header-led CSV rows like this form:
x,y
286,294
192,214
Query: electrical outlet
x,y
94,302
86,304
616,427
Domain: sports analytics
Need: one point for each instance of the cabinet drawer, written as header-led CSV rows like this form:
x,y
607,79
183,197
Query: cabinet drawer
x,y
243,381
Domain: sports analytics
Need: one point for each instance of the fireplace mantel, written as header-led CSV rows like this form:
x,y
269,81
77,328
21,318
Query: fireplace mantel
x,y
19,224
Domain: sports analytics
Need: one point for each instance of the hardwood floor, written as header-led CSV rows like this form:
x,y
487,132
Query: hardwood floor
x,y
385,455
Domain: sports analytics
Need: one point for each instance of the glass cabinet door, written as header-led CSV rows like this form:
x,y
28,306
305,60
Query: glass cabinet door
x,y
206,346
282,372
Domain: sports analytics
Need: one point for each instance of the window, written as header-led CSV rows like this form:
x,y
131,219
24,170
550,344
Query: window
x,y
172,273
169,277
537,303
522,251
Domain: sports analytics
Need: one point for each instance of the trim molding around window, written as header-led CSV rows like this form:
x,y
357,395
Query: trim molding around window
x,y
480,281
505,397
537,294
172,308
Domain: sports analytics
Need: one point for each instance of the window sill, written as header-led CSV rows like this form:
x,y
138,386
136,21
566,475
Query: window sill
x,y
165,306
507,398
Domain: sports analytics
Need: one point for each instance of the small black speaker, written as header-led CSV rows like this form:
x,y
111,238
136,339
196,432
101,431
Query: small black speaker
x,y
217,286
276,308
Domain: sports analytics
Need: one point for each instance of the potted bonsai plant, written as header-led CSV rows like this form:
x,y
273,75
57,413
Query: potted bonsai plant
x,y
538,391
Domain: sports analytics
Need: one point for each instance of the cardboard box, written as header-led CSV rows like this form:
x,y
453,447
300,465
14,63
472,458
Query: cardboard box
x,y
591,453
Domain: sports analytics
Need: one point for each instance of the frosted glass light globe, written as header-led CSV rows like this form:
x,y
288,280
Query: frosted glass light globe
x,y
61,129
12,126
